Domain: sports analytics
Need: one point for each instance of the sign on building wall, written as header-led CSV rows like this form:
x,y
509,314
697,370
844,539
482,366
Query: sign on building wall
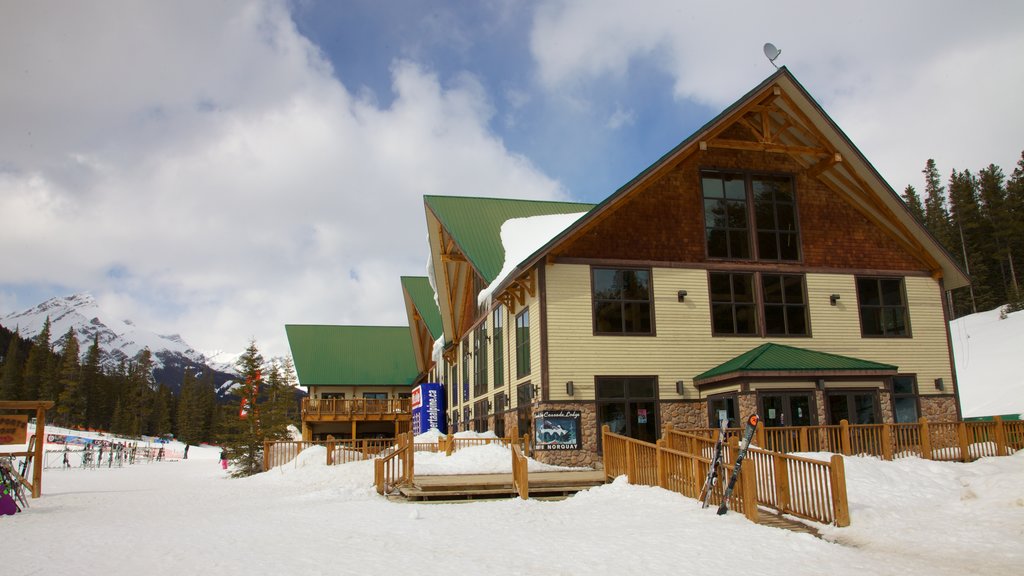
x,y
557,430
13,429
428,409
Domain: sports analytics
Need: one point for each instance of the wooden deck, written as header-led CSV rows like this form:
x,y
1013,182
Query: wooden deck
x,y
548,485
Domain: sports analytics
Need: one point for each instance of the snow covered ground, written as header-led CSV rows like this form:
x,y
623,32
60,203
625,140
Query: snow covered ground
x,y
989,363
187,517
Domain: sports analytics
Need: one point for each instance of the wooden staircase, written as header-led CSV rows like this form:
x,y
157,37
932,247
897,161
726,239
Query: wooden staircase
x,y
542,485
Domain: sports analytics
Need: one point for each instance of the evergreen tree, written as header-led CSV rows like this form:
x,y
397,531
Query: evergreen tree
x,y
936,216
160,412
255,421
139,391
188,416
36,369
1014,207
913,202
71,400
10,378
92,386
972,243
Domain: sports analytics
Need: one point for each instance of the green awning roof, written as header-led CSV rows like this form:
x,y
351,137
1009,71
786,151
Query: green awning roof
x,y
475,224
422,295
781,359
352,355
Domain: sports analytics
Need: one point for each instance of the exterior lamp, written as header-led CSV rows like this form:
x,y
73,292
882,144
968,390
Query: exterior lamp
x,y
568,388
682,295
833,299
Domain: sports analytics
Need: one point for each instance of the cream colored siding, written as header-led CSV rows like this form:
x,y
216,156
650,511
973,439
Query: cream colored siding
x,y
780,385
356,392
866,384
684,347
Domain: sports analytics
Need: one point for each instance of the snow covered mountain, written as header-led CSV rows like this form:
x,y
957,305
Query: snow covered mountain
x,y
118,339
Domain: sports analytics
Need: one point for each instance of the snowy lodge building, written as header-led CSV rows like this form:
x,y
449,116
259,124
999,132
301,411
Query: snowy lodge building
x,y
762,265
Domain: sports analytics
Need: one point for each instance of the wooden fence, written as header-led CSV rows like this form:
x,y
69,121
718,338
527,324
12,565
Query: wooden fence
x,y
659,465
520,475
396,468
278,453
950,441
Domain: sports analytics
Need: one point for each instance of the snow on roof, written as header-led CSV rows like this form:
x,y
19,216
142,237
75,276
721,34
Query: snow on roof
x,y
521,237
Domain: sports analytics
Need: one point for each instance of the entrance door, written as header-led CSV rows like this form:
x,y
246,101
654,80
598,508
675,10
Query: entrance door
x,y
629,407
787,409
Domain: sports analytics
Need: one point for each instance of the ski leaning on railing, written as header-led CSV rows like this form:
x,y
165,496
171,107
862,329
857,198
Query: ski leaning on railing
x,y
716,463
748,434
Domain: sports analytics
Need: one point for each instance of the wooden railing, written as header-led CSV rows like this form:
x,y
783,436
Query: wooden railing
x,y
963,441
396,468
358,407
803,487
278,453
453,444
659,465
520,475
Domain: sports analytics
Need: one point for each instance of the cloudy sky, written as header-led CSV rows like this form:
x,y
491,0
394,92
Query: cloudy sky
x,y
220,169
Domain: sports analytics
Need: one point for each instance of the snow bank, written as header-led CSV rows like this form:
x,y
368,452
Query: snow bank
x,y
989,363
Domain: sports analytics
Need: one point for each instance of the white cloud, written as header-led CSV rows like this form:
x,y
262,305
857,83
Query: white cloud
x,y
905,80
203,172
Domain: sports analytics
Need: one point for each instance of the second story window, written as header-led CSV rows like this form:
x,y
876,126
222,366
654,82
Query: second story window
x,y
480,360
785,305
498,341
523,343
726,225
622,301
883,308
733,303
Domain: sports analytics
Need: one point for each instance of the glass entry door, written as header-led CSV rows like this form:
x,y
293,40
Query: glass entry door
x,y
629,407
787,409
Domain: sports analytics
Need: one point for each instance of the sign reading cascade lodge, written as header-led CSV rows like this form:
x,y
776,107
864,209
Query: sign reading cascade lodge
x,y
557,430
13,429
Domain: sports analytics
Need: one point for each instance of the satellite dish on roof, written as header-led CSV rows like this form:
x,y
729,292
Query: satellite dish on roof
x,y
771,52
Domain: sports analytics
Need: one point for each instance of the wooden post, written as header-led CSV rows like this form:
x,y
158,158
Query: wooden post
x,y
354,429
748,471
759,434
604,448
840,506
844,436
266,455
1000,437
629,462
37,459
526,445
965,447
886,441
659,458
781,484
330,451
803,439
411,455
378,475
926,440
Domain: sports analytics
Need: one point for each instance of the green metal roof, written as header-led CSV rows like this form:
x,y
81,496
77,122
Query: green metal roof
x,y
780,358
475,224
352,355
418,288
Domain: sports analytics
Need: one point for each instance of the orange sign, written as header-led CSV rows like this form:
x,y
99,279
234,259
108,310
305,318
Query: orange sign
x,y
13,429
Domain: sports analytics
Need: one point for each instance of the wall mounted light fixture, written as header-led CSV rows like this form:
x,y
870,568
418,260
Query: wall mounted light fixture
x,y
569,388
679,387
939,384
833,299
682,295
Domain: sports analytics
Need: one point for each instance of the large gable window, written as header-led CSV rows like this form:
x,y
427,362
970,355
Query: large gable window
x,y
728,199
498,341
480,360
622,301
726,224
883,308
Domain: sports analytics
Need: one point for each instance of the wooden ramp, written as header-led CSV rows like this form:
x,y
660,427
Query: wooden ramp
x,y
547,485
774,520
